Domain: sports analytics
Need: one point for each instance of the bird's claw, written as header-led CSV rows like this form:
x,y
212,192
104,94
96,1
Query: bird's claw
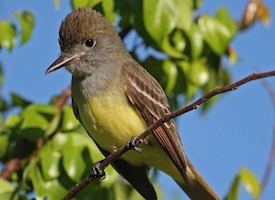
x,y
97,172
132,144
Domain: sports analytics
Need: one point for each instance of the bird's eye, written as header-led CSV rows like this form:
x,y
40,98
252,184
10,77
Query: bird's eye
x,y
90,43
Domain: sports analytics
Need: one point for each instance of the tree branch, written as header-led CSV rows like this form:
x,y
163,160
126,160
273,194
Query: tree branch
x,y
113,156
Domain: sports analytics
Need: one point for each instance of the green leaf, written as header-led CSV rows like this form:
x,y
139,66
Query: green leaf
x,y
178,40
26,20
196,41
169,49
54,189
48,111
36,120
19,101
7,189
4,144
7,35
234,189
33,126
69,121
108,8
33,172
171,72
84,3
217,31
53,125
190,88
13,121
160,18
186,14
50,160
59,141
198,73
224,16
73,161
251,183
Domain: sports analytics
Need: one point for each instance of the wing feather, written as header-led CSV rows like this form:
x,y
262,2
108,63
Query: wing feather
x,y
149,99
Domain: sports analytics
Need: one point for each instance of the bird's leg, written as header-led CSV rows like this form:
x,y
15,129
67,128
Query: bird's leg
x,y
133,144
97,172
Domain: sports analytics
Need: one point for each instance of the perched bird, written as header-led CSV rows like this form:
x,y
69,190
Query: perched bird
x,y
115,99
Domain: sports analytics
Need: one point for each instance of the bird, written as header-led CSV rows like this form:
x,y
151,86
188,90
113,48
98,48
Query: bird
x,y
116,99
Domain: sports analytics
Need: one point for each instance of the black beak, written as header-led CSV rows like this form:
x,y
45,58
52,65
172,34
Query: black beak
x,y
61,62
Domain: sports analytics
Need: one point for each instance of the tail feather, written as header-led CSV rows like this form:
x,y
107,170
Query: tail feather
x,y
197,188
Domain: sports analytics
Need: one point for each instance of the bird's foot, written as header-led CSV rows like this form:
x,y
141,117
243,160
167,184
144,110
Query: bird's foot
x,y
133,144
97,172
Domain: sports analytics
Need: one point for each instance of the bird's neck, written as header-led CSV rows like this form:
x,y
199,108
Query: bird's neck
x,y
103,80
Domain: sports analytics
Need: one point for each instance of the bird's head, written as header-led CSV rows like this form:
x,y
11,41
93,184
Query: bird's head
x,y
87,40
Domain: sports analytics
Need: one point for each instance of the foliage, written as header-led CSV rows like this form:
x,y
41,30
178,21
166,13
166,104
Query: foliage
x,y
50,148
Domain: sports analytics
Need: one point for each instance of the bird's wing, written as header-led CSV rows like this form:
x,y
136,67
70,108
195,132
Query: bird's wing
x,y
147,96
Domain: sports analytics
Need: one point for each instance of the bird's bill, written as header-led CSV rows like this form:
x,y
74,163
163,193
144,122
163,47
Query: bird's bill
x,y
61,62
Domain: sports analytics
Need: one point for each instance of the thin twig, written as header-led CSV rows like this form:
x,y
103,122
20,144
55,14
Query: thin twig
x,y
113,156
271,157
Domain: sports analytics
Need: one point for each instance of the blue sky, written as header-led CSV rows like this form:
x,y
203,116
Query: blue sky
x,y
236,132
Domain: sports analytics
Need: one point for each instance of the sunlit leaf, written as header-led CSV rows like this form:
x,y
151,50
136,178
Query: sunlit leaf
x,y
33,126
217,31
198,73
7,189
168,48
178,40
84,3
73,160
196,41
160,17
7,35
251,183
26,20
108,8
50,160
13,121
35,120
186,13
69,121
48,111
224,16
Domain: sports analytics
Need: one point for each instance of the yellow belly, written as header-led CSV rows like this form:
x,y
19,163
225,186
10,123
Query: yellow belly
x,y
111,121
